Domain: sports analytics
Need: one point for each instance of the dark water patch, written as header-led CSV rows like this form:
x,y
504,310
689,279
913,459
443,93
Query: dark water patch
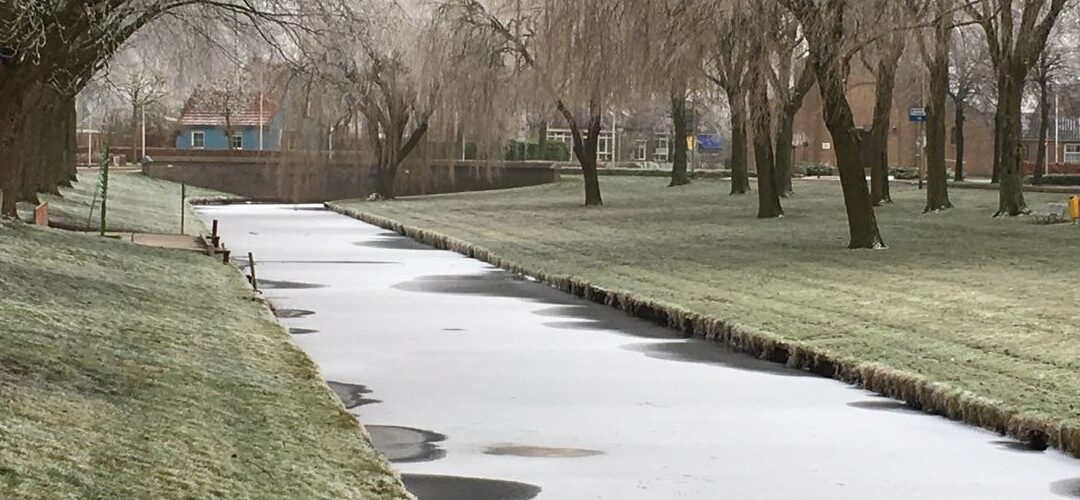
x,y
302,331
712,353
1067,488
1008,444
453,329
292,313
433,487
393,243
593,317
309,209
287,285
540,451
578,311
351,395
406,444
577,325
885,404
490,283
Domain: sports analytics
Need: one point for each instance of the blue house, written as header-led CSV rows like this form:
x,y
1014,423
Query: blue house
x,y
210,121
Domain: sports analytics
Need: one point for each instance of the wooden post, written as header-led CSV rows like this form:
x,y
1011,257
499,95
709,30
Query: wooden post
x,y
225,256
251,266
183,209
41,214
214,238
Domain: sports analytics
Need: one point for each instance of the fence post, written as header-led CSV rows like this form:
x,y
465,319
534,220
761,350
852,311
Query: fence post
x,y
183,209
251,266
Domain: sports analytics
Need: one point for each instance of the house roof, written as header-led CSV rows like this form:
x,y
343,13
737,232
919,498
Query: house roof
x,y
208,107
1068,128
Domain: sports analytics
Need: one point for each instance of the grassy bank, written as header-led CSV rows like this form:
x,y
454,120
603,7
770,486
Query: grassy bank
x,y
137,203
132,372
965,315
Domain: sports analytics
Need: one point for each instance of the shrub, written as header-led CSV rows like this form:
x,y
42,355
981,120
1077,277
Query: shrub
x,y
1056,180
818,169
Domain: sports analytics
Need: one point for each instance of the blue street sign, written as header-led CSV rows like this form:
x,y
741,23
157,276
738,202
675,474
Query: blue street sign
x,y
917,114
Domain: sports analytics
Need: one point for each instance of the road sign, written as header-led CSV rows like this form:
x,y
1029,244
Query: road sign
x,y
917,114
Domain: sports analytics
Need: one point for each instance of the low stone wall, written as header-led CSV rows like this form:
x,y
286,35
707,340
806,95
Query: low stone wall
x,y
305,180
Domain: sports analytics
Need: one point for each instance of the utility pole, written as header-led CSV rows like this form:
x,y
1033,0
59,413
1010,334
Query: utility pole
x,y
143,131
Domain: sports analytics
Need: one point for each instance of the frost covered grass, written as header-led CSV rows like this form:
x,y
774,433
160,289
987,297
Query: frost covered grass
x,y
137,203
965,315
133,372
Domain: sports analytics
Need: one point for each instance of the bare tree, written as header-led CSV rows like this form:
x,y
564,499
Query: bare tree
x,y
727,65
934,43
759,71
50,50
829,33
967,82
792,78
881,58
1016,33
1043,75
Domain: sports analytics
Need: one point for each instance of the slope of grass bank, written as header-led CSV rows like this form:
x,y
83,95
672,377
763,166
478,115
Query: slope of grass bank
x,y
981,311
137,203
133,372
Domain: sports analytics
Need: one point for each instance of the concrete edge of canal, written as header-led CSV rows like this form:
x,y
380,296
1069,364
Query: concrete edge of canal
x,y
916,391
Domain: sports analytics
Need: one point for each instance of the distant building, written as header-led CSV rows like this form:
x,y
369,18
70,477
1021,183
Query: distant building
x,y
206,123
1062,139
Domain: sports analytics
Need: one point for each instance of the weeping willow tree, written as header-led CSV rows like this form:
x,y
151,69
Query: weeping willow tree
x,y
391,89
50,50
581,58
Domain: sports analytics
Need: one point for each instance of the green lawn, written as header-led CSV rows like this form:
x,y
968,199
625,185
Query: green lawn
x,y
132,372
986,307
137,203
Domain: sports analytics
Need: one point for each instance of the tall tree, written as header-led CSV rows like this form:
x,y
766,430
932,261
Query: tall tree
x,y
576,55
830,39
50,50
966,81
934,45
1044,73
792,78
881,58
728,62
761,119
679,176
1016,32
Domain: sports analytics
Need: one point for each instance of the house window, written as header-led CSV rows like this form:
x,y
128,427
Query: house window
x,y
660,145
238,141
603,146
1072,153
641,150
198,139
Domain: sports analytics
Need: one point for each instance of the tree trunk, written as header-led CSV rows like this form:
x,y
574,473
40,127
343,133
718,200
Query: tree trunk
x,y
862,223
678,118
1010,197
959,173
585,149
1044,118
937,187
740,180
879,129
785,155
768,193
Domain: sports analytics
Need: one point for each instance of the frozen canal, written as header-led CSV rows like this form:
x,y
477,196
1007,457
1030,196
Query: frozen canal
x,y
482,386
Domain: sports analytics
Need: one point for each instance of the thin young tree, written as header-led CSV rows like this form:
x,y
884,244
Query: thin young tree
x,y
967,78
881,58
